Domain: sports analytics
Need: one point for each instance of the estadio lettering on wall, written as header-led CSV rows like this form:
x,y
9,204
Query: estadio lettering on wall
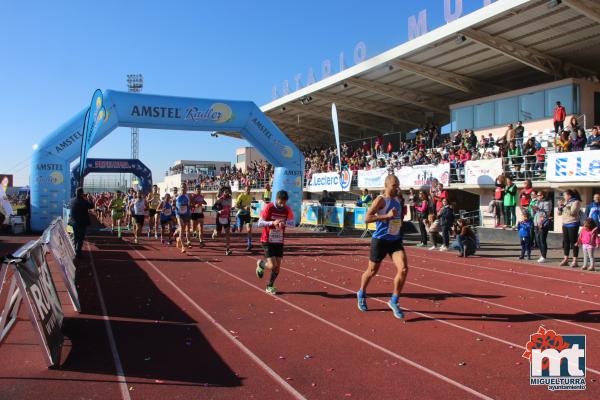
x,y
359,55
453,10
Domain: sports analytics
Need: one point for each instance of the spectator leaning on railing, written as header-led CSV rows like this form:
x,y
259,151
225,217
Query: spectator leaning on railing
x,y
578,143
594,139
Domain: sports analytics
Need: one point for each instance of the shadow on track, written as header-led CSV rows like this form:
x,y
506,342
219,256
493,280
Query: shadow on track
x,y
155,338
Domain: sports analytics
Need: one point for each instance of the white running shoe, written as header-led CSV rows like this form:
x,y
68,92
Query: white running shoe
x,y
443,248
432,248
541,260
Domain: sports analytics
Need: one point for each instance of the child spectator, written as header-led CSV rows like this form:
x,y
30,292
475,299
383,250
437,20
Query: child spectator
x,y
524,228
588,240
467,242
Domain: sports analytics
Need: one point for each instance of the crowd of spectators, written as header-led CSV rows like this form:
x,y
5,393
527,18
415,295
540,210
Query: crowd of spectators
x,y
257,174
523,157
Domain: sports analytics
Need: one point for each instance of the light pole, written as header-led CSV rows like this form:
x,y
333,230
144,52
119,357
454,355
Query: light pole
x,y
135,83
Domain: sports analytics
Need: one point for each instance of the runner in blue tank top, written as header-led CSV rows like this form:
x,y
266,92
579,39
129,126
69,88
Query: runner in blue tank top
x,y
387,212
183,213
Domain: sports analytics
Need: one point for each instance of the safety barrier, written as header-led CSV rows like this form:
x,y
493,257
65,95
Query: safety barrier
x,y
339,217
26,277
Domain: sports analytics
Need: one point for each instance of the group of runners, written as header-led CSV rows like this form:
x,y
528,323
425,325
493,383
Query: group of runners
x,y
182,214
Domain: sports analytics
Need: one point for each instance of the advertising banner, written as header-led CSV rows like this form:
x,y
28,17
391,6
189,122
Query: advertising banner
x,y
310,214
10,298
256,209
578,166
330,181
6,181
36,284
371,179
360,213
4,203
94,118
333,216
483,172
62,251
421,175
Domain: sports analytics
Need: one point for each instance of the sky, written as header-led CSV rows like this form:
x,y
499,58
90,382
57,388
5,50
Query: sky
x,y
53,55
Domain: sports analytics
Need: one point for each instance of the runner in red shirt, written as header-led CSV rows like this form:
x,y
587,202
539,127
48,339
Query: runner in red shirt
x,y
273,219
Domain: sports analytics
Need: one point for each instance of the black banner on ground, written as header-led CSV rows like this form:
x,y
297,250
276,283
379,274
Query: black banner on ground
x,y
56,238
11,297
45,311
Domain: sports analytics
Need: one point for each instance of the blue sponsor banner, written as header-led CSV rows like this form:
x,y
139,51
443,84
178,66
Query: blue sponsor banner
x,y
333,216
360,214
94,118
310,214
257,209
330,181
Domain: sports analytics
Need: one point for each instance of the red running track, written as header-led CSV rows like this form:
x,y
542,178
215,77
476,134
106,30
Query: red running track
x,y
157,324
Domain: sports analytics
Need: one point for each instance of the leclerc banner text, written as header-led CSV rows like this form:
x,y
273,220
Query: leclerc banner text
x,y
578,166
330,181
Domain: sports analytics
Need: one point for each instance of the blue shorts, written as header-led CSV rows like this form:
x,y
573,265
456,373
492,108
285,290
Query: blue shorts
x,y
243,219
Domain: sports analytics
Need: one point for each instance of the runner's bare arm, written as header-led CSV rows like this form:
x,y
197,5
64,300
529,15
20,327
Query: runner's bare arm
x,y
377,205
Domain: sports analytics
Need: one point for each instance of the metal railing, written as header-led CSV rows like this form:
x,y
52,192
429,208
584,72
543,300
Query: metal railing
x,y
519,168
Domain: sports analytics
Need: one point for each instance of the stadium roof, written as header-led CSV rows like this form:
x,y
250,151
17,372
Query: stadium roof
x,y
510,44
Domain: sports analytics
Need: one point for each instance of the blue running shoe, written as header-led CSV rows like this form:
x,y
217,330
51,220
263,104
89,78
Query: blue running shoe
x,y
396,309
362,303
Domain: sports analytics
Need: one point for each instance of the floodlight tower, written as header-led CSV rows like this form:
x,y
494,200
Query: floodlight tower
x,y
135,83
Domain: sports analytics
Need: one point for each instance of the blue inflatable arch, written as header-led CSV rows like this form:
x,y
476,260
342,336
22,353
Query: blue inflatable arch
x,y
50,188
113,165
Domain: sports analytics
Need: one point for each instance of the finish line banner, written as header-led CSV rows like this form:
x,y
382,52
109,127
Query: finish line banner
x,y
330,181
483,172
578,166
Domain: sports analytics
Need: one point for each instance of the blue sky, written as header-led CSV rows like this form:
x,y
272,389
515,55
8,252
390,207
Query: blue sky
x,y
55,54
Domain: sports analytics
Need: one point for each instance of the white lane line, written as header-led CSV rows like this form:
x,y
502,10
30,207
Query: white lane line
x,y
546,317
564,297
224,331
109,333
488,258
359,338
464,328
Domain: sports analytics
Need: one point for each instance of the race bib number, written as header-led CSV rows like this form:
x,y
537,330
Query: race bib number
x,y
275,236
394,227
167,211
183,209
223,220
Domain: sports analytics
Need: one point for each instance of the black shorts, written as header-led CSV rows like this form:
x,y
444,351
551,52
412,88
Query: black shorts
x,y
184,218
151,212
273,249
381,248
222,226
139,219
197,216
